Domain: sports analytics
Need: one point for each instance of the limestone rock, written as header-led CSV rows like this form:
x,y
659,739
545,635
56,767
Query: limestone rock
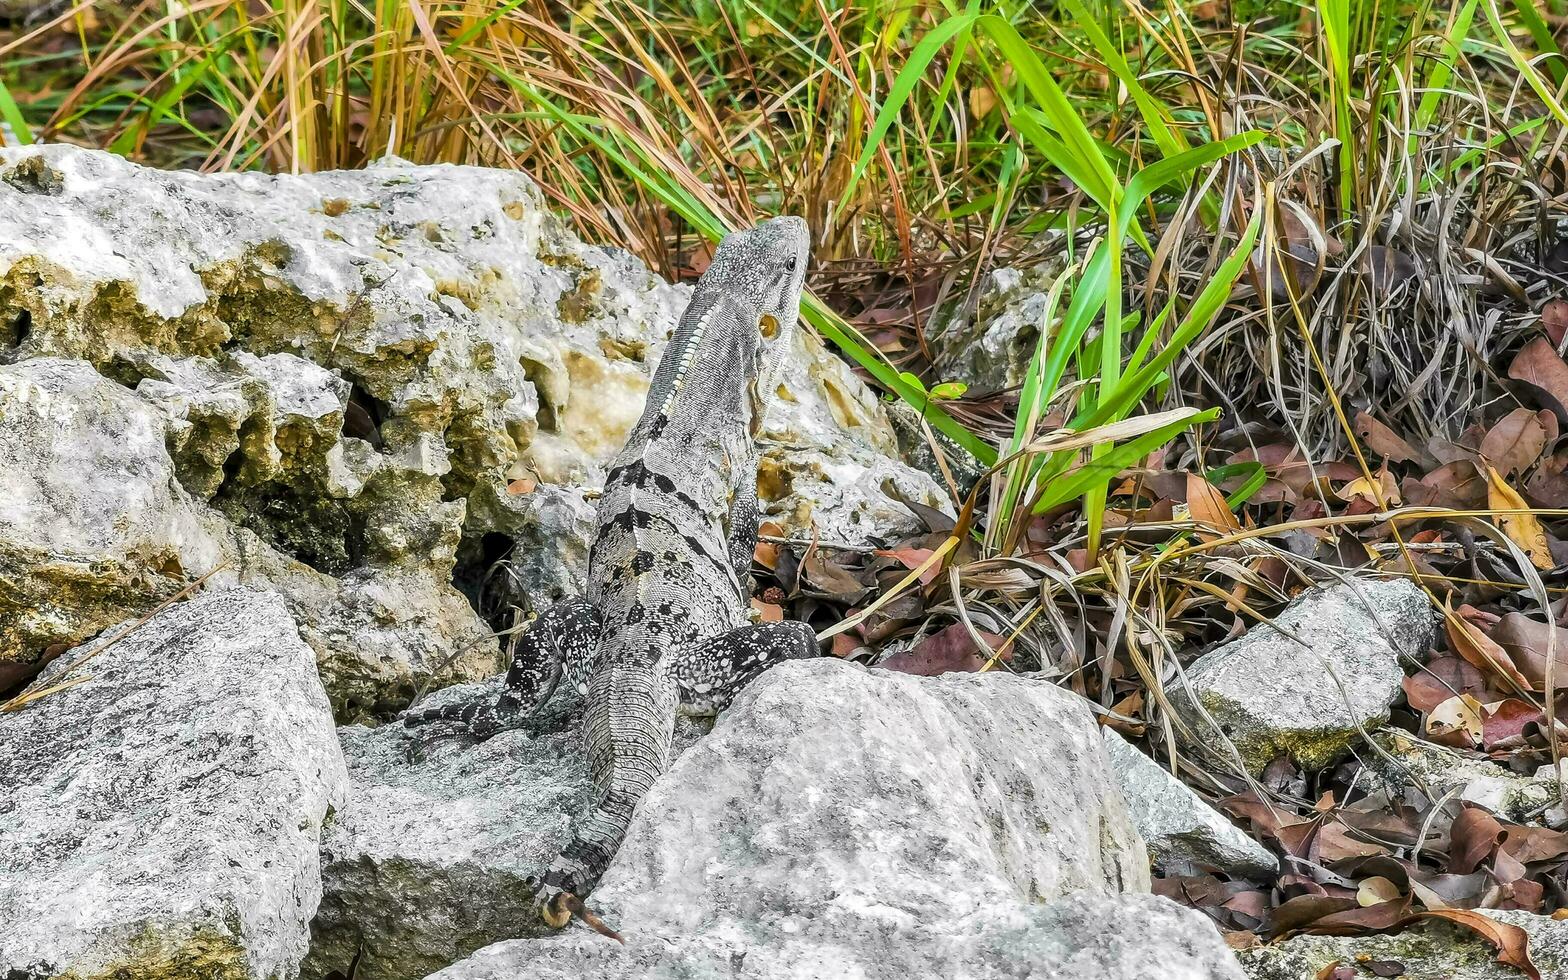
x,y
1431,950
162,818
451,300
1077,937
1308,685
1182,831
381,633
429,859
1408,762
94,526
990,347
360,370
845,822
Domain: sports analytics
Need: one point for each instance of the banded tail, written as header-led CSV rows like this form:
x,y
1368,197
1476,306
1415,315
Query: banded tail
x,y
480,716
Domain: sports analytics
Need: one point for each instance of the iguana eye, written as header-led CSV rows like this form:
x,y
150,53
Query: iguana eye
x,y
770,325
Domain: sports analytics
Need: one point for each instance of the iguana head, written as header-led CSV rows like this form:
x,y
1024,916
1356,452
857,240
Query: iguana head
x,y
763,269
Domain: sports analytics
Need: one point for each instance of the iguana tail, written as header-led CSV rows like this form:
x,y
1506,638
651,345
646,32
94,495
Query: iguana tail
x,y
631,716
481,716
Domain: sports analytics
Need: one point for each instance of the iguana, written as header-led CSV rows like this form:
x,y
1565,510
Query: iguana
x,y
665,623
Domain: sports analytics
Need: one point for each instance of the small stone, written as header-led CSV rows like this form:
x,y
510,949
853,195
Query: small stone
x,y
1184,834
1308,685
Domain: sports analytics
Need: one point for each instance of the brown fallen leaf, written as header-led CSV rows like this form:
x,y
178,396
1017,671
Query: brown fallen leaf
x,y
1473,836
1525,641
1481,651
1515,443
1512,943
1384,441
1455,484
951,649
1503,723
1206,505
1554,320
1441,679
1538,366
1522,527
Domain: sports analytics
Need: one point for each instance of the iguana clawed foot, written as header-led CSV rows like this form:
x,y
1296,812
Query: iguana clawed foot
x,y
558,911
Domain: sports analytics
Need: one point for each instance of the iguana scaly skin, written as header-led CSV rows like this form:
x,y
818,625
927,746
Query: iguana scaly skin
x,y
665,623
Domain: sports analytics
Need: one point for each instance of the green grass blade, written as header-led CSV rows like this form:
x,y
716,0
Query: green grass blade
x,y
11,113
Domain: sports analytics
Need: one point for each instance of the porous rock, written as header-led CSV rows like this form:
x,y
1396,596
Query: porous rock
x,y
1309,684
430,858
1406,762
94,526
1429,950
845,822
161,817
371,373
989,346
1183,832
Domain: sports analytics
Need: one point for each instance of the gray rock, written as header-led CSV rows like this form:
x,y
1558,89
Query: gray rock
x,y
94,526
989,348
350,376
1183,832
1308,685
845,822
1083,936
429,859
163,817
1431,950
1407,762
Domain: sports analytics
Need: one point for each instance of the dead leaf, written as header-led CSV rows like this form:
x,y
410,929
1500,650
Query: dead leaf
x,y
1455,484
1512,943
1525,640
981,101
1382,440
1538,366
1473,836
1206,505
1554,320
1375,891
1503,723
1515,443
949,650
1441,679
912,558
1522,527
1456,722
1482,651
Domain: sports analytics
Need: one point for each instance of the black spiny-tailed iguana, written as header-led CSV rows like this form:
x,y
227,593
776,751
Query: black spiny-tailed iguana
x,y
665,624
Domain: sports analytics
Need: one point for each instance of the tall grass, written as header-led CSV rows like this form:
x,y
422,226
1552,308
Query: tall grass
x,y
916,135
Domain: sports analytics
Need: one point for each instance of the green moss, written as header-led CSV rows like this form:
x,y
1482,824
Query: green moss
x,y
204,954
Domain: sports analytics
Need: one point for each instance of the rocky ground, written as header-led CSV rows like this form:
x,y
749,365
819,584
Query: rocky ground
x,y
277,453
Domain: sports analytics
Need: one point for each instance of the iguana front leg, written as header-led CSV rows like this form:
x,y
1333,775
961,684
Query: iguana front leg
x,y
711,673
741,528
562,639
